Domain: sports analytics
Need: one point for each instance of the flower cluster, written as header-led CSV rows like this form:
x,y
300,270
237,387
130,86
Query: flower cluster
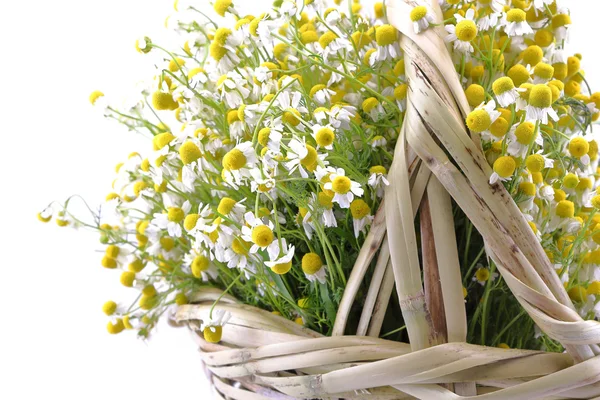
x,y
272,135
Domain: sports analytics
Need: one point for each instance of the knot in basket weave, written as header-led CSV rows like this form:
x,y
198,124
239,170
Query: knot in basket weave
x,y
264,356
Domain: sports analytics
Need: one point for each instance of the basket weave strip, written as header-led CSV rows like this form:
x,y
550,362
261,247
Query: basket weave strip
x,y
264,356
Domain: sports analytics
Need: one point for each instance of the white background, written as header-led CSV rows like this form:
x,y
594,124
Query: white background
x,y
53,342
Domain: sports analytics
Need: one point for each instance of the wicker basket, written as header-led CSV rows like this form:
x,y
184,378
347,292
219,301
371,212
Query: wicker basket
x,y
263,356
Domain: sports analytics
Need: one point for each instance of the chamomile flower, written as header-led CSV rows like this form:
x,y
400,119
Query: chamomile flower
x,y
578,147
302,157
378,179
462,34
233,89
540,104
505,91
504,168
313,267
515,23
172,219
343,188
238,162
480,120
386,37
361,216
482,275
421,18
258,233
280,257
200,265
521,137
324,136
212,329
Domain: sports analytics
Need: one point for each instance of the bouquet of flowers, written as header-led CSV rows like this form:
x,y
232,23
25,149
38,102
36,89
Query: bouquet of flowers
x,y
420,171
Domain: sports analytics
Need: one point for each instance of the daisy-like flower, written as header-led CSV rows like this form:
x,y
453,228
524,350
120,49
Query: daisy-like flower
x,y
540,104
361,216
343,188
505,91
332,44
301,156
313,267
340,116
378,141
421,18
541,4
200,265
213,327
480,120
289,102
386,37
224,49
172,219
373,108
321,94
238,162
504,168
482,275
324,136
258,233
463,33
378,179
520,138
515,23
579,148
280,257
562,215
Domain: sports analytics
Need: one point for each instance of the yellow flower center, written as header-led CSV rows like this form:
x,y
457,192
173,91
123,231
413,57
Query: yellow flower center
x,y
578,147
466,30
578,294
417,13
309,37
369,104
385,35
95,96
234,160
516,15
127,278
565,209
240,246
136,265
502,85
482,274
262,235
190,221
161,140
324,137
327,38
535,163
175,214
499,127
505,166
544,71
263,136
226,205
540,96
560,20
176,64
112,251
109,307
532,55
109,262
116,327
213,334
311,263
325,200
594,288
596,201
377,169
199,265
310,161
359,209
189,152
525,133
167,243
341,184
527,188
291,116
478,120
475,94
163,101
221,6
282,268
519,74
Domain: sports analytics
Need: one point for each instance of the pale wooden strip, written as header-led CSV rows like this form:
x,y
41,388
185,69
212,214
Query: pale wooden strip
x,y
382,302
